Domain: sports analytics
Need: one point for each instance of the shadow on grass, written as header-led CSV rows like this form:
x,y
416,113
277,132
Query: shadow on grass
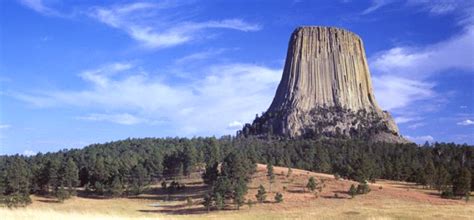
x,y
193,192
296,191
175,210
48,201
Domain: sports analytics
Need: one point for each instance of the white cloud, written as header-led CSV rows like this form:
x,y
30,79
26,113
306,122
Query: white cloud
x,y
403,75
203,55
396,92
422,62
375,5
438,7
28,153
435,7
38,6
421,139
146,23
416,125
124,118
466,122
406,119
235,125
4,126
225,93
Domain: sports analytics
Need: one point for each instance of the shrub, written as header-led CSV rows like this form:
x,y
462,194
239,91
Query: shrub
x,y
163,184
189,201
363,188
61,194
447,194
250,203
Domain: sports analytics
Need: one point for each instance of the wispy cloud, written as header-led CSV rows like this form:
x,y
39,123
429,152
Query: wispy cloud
x,y
466,122
145,23
375,5
39,6
395,92
422,62
124,118
226,94
198,56
405,119
403,75
438,7
4,126
434,7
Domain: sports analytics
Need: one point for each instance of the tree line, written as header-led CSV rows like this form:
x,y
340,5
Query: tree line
x,y
125,168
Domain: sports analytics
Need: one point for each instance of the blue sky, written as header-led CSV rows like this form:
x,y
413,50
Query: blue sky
x,y
74,73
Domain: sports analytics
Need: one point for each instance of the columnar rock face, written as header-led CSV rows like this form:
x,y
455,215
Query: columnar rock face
x,y
325,90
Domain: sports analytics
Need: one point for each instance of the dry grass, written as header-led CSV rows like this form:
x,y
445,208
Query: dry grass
x,y
395,200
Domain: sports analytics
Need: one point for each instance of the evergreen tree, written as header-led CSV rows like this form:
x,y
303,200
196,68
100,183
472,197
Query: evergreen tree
x,y
116,188
207,202
270,175
189,159
352,191
210,174
311,185
239,194
69,176
442,179
219,199
261,194
462,182
140,179
278,197
289,172
429,175
61,194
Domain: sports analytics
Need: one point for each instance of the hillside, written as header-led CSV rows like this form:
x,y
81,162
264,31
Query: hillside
x,y
387,200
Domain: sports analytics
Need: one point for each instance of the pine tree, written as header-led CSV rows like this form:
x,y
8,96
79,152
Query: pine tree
x,y
278,197
219,199
189,159
207,202
311,185
270,175
116,188
140,178
239,193
261,194
69,176
442,180
462,182
429,175
289,172
353,191
210,174
61,194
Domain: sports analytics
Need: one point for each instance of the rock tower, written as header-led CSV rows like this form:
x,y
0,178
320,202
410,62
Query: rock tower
x,y
325,90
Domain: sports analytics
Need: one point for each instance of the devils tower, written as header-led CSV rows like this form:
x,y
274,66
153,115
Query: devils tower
x,y
325,91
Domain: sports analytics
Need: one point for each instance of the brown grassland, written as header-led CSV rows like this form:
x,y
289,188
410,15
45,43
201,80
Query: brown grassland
x,y
387,200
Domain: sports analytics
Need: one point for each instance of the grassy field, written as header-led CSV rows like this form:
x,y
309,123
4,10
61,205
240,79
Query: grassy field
x,y
388,200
